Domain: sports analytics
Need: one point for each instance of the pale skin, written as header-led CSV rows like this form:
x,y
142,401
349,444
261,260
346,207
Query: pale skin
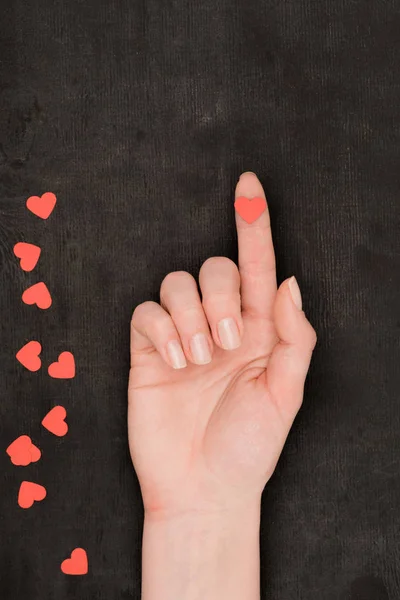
x,y
205,438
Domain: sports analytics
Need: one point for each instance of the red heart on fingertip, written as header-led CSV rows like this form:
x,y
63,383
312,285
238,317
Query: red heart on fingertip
x,y
54,421
77,564
23,452
37,294
64,368
250,208
28,356
28,255
29,493
42,206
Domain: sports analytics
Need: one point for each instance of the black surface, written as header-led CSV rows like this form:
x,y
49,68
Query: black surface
x,y
140,116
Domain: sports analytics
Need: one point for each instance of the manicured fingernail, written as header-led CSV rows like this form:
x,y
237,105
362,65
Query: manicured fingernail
x,y
295,292
176,355
200,349
228,333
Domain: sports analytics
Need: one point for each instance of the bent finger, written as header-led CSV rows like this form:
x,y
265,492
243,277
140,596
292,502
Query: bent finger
x,y
220,288
152,329
180,296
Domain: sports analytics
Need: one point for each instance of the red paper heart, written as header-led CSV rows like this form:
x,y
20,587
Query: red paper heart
x,y
28,356
23,452
77,564
42,206
30,492
29,255
54,421
64,368
37,294
250,209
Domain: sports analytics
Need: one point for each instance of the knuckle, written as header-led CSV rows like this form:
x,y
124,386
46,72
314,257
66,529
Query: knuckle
x,y
141,310
310,336
174,276
218,262
173,281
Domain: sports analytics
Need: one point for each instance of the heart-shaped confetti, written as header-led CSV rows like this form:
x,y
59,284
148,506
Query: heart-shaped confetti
x,y
28,255
77,564
29,493
250,209
42,206
37,294
64,368
23,452
54,421
28,356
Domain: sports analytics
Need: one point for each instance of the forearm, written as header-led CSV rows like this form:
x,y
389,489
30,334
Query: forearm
x,y
193,557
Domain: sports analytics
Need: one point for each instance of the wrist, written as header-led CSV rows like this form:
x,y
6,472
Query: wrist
x,y
226,505
202,553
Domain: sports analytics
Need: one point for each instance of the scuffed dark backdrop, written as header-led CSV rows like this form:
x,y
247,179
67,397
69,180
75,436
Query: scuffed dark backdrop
x,y
140,116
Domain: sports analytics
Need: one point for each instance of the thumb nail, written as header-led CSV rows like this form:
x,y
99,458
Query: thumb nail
x,y
295,292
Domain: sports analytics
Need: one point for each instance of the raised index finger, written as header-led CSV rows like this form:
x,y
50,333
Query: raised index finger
x,y
256,251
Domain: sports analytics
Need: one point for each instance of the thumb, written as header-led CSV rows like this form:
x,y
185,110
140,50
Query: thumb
x,y
289,362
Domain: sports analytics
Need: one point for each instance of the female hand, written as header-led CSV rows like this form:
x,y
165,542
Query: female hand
x,y
208,435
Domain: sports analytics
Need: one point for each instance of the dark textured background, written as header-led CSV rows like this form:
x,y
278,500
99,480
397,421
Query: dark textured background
x,y
140,116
